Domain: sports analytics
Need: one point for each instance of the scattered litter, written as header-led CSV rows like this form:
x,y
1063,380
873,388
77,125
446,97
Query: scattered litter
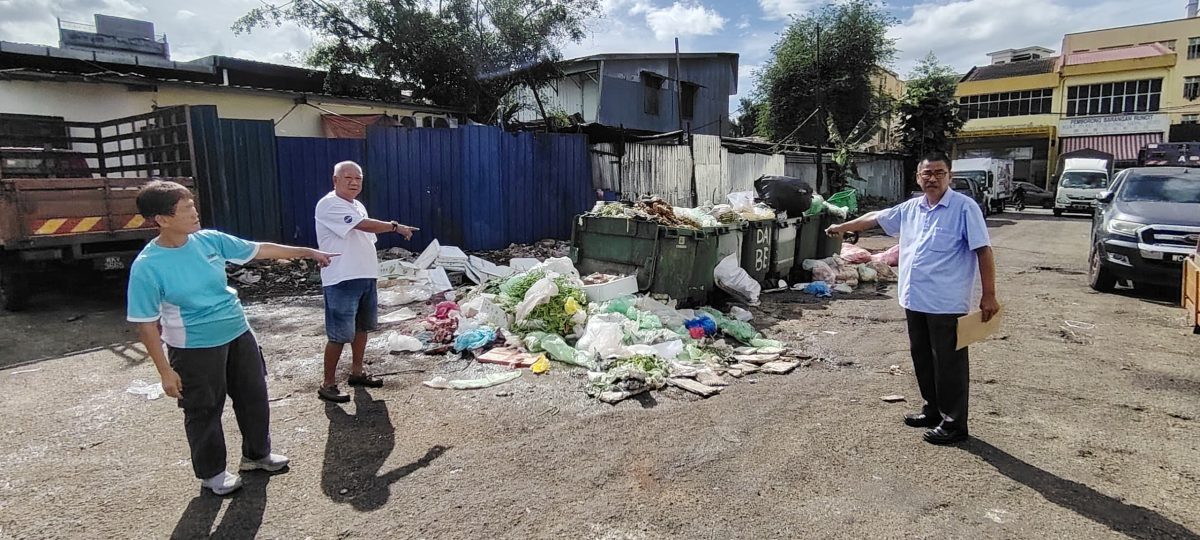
x,y
25,371
893,398
843,288
487,381
398,342
509,357
247,277
74,318
734,279
708,378
142,388
541,365
779,367
854,254
756,359
829,332
1080,325
819,289
891,257
475,339
398,316
740,314
695,387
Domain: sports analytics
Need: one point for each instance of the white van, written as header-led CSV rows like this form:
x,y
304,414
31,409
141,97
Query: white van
x,y
993,175
1081,180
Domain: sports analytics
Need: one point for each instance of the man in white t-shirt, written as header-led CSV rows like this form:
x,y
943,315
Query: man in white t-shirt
x,y
351,306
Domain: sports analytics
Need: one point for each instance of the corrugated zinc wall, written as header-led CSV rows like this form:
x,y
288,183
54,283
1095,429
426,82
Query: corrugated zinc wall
x,y
475,187
251,179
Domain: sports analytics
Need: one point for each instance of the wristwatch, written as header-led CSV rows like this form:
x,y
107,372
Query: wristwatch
x,y
395,226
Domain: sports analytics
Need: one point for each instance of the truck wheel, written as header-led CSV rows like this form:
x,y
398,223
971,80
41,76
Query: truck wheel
x,y
1058,212
1099,278
14,291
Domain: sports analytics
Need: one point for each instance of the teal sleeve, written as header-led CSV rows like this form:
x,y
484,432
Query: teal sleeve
x,y
234,249
144,297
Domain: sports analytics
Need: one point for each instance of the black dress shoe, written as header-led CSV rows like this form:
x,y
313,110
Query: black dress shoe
x,y
922,420
942,436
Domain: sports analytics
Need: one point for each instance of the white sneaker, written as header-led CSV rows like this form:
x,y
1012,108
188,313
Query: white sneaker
x,y
271,463
223,484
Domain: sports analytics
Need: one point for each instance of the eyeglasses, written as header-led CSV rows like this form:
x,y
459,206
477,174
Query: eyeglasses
x,y
941,175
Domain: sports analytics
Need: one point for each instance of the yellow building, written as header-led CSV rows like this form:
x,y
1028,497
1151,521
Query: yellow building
x,y
1166,55
1113,90
888,137
1011,113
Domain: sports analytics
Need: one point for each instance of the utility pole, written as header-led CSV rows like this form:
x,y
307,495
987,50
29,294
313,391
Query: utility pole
x,y
678,89
820,116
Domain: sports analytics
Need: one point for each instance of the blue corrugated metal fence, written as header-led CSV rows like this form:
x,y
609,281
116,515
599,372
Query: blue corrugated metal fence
x,y
474,187
305,175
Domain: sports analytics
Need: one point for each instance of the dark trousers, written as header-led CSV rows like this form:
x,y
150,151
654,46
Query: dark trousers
x,y
236,369
942,372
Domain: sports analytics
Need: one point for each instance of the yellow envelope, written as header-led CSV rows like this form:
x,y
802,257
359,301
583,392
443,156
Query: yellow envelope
x,y
972,329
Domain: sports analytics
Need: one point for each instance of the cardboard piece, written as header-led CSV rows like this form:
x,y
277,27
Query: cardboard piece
x,y
694,387
779,368
508,357
972,329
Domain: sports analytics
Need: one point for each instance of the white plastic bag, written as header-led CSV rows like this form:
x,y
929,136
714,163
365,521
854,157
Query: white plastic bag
x,y
736,281
398,342
142,388
540,293
740,314
603,336
668,351
742,201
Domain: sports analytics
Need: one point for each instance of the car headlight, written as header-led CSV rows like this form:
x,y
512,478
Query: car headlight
x,y
1126,228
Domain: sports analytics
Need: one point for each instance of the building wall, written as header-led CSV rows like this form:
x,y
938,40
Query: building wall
x,y
1179,31
622,95
575,94
90,102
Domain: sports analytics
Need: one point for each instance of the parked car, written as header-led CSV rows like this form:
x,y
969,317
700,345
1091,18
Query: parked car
x,y
1026,194
969,187
1145,227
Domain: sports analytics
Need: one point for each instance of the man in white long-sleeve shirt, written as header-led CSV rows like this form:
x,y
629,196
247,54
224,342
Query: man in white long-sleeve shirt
x,y
351,306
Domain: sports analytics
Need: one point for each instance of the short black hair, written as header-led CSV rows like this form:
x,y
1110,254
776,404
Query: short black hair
x,y
936,156
159,198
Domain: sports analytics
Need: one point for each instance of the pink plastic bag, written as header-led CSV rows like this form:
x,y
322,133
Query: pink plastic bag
x,y
891,257
854,254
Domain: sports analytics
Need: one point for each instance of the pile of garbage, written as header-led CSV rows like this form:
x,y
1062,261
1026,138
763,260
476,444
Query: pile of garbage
x,y
542,250
261,279
853,266
658,211
628,345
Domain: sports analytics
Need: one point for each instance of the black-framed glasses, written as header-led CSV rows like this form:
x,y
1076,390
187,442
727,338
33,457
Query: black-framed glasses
x,y
940,175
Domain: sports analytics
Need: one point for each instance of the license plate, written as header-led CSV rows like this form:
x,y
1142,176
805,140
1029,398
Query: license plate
x,y
113,263
1177,257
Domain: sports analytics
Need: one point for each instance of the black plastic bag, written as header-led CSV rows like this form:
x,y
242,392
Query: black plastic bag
x,y
785,194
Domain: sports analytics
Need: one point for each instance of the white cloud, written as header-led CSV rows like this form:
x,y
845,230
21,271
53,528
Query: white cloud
x,y
184,15
684,20
744,23
962,32
781,9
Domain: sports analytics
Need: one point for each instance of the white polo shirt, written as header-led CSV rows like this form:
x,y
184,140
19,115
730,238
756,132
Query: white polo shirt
x,y
336,219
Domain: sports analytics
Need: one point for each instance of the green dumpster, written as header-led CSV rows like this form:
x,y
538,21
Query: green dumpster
x,y
808,238
615,246
686,259
756,248
784,235
829,245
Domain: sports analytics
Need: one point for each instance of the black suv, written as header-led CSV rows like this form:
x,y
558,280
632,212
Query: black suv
x,y
1144,227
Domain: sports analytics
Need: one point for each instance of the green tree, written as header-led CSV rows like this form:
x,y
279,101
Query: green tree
x,y
461,53
746,124
929,114
795,81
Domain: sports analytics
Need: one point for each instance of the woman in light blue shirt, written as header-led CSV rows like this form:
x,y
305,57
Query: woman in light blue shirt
x,y
179,294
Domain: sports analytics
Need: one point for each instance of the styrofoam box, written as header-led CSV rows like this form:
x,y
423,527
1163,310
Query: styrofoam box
x,y
616,288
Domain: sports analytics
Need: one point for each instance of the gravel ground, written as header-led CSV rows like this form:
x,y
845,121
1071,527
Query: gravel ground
x,y
1084,424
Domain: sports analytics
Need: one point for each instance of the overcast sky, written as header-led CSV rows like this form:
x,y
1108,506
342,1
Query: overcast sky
x,y
960,32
